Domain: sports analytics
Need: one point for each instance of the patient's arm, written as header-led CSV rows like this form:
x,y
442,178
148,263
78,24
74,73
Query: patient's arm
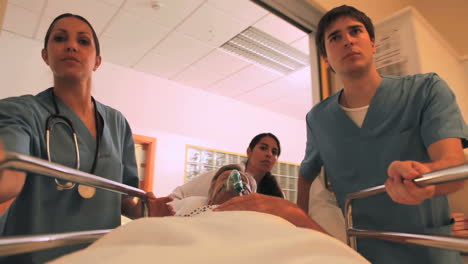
x,y
132,207
271,205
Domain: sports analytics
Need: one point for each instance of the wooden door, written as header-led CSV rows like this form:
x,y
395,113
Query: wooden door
x,y
145,150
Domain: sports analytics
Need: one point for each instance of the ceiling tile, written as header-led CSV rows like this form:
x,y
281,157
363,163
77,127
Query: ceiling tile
x,y
114,2
20,21
302,44
159,66
267,93
244,80
181,48
128,44
196,77
220,63
301,79
302,99
170,14
244,10
212,26
298,101
132,28
117,52
279,28
34,6
96,12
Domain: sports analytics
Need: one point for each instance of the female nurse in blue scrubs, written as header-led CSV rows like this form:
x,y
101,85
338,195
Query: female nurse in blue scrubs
x,y
103,146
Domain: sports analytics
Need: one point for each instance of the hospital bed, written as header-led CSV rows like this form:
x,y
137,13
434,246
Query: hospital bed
x,y
24,244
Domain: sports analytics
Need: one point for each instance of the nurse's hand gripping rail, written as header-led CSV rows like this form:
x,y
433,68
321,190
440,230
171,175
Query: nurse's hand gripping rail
x,y
451,174
24,244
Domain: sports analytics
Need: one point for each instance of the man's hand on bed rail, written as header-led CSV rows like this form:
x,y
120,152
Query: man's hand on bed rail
x,y
443,153
271,205
400,186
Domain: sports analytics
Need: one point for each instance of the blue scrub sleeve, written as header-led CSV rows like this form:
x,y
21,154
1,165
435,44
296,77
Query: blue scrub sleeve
x,y
130,170
312,163
441,116
15,132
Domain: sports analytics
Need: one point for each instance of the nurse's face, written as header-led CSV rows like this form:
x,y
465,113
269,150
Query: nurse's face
x,y
350,49
263,156
220,192
71,51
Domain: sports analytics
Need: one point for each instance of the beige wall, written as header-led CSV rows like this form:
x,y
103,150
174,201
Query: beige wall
x,y
376,10
3,4
436,55
447,17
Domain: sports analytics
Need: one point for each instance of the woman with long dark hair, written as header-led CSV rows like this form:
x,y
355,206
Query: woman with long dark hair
x,y
262,154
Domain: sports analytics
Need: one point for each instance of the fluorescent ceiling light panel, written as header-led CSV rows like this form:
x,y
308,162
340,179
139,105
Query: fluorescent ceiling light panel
x,y
265,50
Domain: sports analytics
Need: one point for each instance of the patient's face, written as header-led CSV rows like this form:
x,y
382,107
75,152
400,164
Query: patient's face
x,y
220,192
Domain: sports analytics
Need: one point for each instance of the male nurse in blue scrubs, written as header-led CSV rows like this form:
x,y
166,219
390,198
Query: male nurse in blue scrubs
x,y
383,130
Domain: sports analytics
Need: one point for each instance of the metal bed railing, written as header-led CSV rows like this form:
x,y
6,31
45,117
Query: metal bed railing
x,y
456,173
24,244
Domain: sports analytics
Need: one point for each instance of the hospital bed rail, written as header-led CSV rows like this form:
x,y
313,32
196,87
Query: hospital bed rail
x,y
20,162
24,244
451,174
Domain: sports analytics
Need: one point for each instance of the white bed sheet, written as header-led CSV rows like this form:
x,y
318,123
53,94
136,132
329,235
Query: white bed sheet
x,y
215,237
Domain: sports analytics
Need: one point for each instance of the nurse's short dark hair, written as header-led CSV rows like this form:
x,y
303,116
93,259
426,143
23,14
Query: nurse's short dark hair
x,y
49,30
331,16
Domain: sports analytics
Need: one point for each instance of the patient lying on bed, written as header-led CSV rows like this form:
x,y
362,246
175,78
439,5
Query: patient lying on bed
x,y
251,228
218,193
222,198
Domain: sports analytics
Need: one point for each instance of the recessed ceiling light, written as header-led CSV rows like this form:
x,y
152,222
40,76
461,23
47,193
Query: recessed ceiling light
x,y
265,50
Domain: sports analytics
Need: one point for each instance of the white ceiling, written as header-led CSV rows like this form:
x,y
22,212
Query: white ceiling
x,y
180,41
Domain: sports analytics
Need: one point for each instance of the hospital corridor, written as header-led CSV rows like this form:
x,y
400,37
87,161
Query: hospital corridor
x,y
256,131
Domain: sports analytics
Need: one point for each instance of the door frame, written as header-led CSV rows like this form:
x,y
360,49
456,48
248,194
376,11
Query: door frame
x,y
150,144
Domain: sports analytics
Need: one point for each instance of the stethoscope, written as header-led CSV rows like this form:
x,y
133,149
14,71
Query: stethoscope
x,y
57,118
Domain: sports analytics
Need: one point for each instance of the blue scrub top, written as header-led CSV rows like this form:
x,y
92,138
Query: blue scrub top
x,y
40,208
406,115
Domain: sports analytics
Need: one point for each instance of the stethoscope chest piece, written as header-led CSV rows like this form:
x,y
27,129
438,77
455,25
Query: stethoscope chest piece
x,y
64,186
86,191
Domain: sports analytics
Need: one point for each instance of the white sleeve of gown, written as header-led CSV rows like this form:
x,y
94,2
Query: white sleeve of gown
x,y
198,186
